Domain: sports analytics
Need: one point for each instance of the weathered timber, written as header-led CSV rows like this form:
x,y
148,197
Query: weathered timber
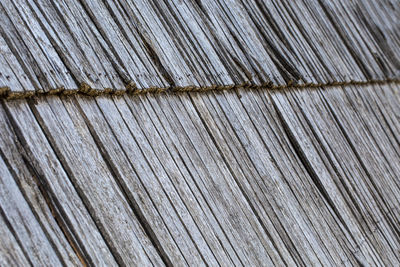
x,y
65,198
199,133
109,46
220,178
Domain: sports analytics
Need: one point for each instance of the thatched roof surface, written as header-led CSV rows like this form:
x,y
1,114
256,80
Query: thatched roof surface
x,y
293,159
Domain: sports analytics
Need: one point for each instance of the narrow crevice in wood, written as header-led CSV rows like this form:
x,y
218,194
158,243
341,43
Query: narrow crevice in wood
x,y
307,165
9,226
367,172
51,202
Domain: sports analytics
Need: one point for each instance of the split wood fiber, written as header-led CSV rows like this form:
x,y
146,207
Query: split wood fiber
x,y
240,177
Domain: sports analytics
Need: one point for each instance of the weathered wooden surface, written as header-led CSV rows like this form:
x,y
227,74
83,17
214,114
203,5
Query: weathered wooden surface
x,y
48,46
306,177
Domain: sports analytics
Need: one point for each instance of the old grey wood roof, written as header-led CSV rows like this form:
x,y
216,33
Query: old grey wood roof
x,y
248,133
177,45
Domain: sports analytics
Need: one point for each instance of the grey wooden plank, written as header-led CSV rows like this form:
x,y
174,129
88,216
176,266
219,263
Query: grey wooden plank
x,y
69,35
171,47
179,45
11,253
366,189
193,141
231,149
190,194
36,195
157,182
80,29
266,186
8,79
271,175
377,158
341,66
373,120
388,99
154,189
27,229
69,206
118,147
19,23
318,164
328,145
164,167
121,129
165,174
383,47
348,33
139,61
237,42
12,74
241,177
307,192
100,192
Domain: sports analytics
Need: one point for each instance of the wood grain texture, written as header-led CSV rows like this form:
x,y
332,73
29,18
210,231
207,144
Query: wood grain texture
x,y
36,193
17,214
240,177
11,252
100,193
330,150
109,46
64,198
199,133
